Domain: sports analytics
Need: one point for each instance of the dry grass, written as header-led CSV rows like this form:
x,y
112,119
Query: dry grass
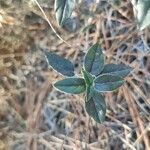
x,y
33,115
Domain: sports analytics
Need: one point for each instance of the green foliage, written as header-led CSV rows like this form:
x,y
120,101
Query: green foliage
x,y
63,10
106,82
94,61
71,85
89,92
97,78
142,13
61,65
89,81
96,107
113,69
88,77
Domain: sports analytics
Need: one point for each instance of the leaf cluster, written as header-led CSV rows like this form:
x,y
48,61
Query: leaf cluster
x,y
64,8
96,78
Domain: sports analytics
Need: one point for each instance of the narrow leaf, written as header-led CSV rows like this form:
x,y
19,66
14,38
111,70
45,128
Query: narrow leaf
x,y
71,85
96,107
107,82
87,77
89,92
60,64
94,61
63,10
119,70
89,81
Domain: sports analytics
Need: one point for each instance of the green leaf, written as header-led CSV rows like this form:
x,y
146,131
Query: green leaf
x,y
63,10
107,82
89,92
94,61
61,65
96,107
142,13
87,77
71,85
89,81
119,70
70,25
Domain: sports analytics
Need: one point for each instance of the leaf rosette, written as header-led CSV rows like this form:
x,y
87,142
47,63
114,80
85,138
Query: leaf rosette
x,y
96,79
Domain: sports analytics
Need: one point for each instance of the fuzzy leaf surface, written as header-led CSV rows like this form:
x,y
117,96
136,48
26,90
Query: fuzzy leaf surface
x,y
63,10
60,64
107,82
119,70
71,85
94,61
96,107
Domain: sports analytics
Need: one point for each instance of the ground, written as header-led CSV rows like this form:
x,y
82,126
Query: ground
x,y
33,115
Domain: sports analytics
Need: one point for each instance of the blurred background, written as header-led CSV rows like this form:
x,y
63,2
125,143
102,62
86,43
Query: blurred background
x,y
35,116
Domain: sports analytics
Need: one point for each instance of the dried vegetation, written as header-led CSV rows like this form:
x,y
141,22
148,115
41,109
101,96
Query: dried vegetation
x,y
33,115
